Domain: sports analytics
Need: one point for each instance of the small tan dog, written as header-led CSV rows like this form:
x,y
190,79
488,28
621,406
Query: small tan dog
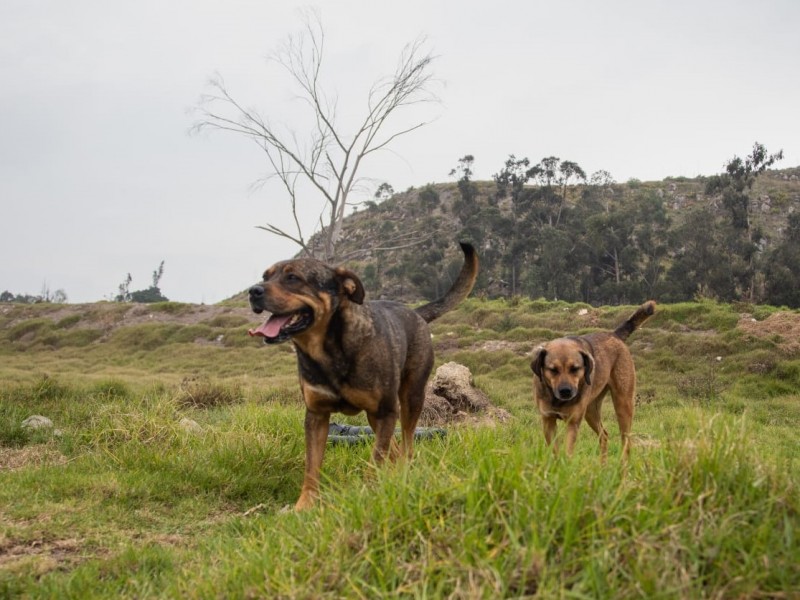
x,y
573,375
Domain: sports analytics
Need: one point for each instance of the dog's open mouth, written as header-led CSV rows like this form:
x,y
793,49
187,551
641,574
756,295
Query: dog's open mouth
x,y
279,328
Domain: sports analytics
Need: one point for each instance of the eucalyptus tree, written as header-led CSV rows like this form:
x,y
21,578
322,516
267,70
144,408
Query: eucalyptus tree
x,y
735,187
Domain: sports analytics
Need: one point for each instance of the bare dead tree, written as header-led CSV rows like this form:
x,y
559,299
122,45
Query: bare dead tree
x,y
329,159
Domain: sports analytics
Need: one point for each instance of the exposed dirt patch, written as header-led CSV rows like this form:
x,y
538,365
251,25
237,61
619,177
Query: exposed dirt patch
x,y
193,314
783,328
48,555
520,348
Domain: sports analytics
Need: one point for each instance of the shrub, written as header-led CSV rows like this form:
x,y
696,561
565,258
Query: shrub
x,y
31,326
112,389
190,333
429,197
227,321
67,322
705,387
789,372
76,337
172,308
147,336
49,388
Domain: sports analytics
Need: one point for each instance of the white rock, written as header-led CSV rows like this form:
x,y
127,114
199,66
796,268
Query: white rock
x,y
190,425
37,422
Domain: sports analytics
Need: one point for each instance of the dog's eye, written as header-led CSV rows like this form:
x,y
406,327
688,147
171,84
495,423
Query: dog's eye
x,y
553,370
292,278
574,370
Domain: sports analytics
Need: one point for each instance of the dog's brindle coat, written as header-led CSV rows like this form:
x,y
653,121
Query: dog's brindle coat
x,y
573,375
352,355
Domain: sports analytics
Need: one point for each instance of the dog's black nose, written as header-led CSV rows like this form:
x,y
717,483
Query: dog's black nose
x,y
565,393
257,299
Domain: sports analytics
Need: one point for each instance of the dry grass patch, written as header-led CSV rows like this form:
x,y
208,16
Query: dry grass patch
x,y
12,459
200,392
783,328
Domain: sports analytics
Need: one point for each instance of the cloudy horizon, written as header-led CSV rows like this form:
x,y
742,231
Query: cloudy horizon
x,y
100,176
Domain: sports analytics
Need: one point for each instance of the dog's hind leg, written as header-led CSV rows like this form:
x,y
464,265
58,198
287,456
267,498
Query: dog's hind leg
x,y
625,432
622,394
412,399
383,426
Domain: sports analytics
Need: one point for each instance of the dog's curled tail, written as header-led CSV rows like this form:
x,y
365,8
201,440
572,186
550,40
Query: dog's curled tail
x,y
460,290
644,312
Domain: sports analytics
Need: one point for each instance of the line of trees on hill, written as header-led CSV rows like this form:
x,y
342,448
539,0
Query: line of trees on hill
x,y
124,293
542,236
58,296
597,250
151,294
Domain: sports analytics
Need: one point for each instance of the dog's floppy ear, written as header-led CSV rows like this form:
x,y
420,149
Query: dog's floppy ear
x,y
588,367
351,285
537,364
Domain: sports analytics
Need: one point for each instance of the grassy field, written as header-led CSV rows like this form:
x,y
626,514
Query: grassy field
x,y
127,498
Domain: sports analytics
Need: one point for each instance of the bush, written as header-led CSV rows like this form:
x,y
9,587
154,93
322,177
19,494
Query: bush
x,y
151,294
111,389
31,326
429,197
77,338
67,322
227,321
705,387
171,308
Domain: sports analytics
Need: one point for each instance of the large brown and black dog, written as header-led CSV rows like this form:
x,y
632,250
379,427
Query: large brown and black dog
x,y
573,375
352,355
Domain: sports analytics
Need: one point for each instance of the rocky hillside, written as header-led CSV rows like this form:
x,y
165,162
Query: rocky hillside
x,y
405,247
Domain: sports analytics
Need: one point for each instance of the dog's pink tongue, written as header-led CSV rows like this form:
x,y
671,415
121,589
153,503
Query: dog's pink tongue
x,y
271,327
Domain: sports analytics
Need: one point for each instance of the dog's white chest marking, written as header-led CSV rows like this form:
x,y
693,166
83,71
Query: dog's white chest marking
x,y
319,391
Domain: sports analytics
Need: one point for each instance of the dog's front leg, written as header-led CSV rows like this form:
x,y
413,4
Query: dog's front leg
x,y
549,425
573,423
316,426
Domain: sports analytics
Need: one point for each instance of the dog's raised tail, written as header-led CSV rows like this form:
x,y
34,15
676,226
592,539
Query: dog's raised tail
x,y
644,312
460,290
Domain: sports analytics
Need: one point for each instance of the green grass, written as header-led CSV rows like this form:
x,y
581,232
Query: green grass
x,y
124,501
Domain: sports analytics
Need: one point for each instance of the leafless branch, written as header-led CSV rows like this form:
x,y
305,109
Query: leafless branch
x,y
331,159
399,242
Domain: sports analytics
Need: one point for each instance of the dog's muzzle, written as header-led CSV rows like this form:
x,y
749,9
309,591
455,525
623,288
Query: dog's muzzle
x,y
565,393
256,294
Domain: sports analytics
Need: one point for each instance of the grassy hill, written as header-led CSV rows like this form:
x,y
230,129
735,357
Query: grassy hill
x,y
178,441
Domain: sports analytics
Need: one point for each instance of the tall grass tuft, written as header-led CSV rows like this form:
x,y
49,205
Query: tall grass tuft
x,y
201,392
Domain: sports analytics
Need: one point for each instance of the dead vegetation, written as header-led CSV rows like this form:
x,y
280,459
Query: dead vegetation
x,y
782,328
38,455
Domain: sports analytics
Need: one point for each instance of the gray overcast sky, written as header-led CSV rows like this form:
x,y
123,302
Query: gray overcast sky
x,y
99,177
